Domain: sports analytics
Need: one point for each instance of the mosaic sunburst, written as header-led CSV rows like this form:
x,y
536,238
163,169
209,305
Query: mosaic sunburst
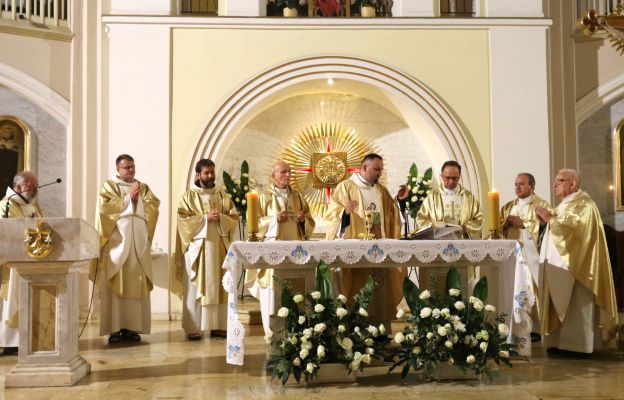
x,y
321,156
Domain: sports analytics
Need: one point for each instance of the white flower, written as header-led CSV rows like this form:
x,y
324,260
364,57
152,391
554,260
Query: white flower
x,y
410,337
370,350
282,312
448,344
355,365
382,329
484,335
414,190
503,329
245,175
320,351
268,336
320,327
297,362
310,367
503,354
237,181
245,188
429,335
414,199
425,294
454,292
237,200
316,295
425,312
445,312
459,305
303,353
490,308
483,346
301,320
435,313
416,350
307,333
400,313
366,358
441,331
304,340
363,312
347,344
369,342
451,361
470,359
340,312
399,338
414,179
356,329
341,328
454,339
373,330
293,340
473,299
341,298
243,201
298,298
478,305
319,308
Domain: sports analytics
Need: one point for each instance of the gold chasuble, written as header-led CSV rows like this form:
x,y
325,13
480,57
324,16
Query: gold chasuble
x,y
9,293
201,247
124,278
465,211
580,247
525,209
390,290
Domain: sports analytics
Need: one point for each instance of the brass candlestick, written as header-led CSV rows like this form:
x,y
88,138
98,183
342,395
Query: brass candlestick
x,y
253,237
494,235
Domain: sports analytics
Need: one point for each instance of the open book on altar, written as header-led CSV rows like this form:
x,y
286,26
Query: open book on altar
x,y
438,231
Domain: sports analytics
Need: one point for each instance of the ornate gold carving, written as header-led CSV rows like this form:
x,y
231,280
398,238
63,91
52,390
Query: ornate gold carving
x,y
38,242
592,22
329,169
321,156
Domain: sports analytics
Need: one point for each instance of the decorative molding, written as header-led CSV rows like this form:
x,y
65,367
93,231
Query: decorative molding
x,y
26,29
229,119
35,91
599,97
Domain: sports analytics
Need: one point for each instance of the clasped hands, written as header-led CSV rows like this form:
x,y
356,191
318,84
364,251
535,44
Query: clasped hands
x,y
515,221
134,191
543,214
213,215
283,216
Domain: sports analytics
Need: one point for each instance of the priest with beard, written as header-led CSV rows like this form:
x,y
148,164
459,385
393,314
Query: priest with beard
x,y
452,204
127,212
345,218
21,201
207,224
284,215
577,295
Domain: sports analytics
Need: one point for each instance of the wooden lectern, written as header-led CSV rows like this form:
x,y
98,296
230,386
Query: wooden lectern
x,y
48,255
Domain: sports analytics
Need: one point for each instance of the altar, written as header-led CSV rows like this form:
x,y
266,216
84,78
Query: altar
x,y
501,261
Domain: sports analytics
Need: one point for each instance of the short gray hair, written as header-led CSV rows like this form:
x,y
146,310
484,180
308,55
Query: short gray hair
x,y
576,178
21,177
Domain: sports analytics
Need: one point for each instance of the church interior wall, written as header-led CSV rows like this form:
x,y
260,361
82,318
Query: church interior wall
x,y
46,60
48,151
596,63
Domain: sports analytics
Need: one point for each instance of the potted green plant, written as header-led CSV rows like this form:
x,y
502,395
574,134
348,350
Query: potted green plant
x,y
368,8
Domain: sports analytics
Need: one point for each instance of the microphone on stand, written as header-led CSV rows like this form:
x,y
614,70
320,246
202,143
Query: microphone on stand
x,y
6,208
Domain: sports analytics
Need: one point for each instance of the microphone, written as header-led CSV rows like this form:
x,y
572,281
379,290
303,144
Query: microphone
x,y
6,208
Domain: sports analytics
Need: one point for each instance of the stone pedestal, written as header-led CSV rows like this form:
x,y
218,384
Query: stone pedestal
x,y
48,300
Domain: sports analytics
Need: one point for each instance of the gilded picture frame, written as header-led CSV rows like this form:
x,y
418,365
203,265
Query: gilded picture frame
x,y
619,168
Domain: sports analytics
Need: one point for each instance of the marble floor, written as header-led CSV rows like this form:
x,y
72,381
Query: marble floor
x,y
166,366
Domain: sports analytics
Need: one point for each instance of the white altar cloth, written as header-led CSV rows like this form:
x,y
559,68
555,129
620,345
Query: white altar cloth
x,y
501,260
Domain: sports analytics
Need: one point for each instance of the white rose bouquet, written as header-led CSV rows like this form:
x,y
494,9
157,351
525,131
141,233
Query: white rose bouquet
x,y
238,188
418,187
320,329
467,334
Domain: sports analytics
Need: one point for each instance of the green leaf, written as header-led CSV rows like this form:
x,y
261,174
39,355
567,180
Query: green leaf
x,y
453,280
364,295
229,183
244,178
411,293
405,371
413,171
324,281
428,174
481,289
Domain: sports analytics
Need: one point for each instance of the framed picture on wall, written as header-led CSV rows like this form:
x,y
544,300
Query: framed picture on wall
x,y
619,166
14,149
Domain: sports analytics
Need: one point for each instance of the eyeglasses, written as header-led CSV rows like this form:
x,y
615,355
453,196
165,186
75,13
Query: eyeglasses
x,y
560,181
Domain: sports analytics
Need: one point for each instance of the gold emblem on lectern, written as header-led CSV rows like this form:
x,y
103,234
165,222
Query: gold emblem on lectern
x,y
38,241
329,169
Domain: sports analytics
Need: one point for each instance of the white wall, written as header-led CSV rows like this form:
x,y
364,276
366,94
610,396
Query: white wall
x,y
519,104
138,120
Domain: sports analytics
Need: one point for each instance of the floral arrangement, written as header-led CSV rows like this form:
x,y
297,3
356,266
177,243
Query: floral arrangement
x,y
418,187
289,3
469,335
238,188
321,329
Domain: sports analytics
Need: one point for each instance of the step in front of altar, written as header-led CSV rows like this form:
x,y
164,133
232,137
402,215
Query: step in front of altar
x,y
249,312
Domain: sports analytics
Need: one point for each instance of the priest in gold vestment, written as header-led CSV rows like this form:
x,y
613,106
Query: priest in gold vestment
x,y
207,224
451,204
21,201
578,297
345,219
127,212
284,215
